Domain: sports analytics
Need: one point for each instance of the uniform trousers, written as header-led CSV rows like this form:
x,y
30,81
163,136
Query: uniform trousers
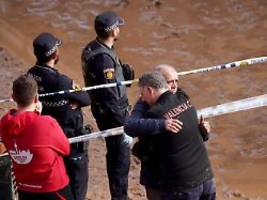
x,y
118,162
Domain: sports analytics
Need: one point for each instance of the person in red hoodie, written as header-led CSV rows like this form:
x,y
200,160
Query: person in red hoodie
x,y
36,145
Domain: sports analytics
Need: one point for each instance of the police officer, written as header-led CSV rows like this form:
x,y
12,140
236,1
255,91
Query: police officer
x,y
66,108
109,106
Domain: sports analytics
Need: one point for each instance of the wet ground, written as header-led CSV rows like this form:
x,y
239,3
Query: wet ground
x,y
184,33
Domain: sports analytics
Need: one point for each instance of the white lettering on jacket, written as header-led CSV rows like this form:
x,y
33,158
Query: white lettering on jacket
x,y
174,112
21,157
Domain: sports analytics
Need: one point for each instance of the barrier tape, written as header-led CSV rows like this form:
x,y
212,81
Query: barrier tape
x,y
4,154
98,134
213,111
6,100
15,194
243,104
234,64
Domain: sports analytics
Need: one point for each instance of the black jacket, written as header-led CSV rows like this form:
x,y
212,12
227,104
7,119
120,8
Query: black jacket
x,y
58,106
181,159
101,66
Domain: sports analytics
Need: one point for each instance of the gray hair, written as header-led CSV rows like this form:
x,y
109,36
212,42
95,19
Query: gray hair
x,y
165,69
153,79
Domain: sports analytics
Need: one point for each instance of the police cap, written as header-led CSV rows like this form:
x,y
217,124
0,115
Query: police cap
x,y
107,21
45,44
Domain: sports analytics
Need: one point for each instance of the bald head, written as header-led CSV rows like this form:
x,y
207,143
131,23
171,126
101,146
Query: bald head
x,y
170,75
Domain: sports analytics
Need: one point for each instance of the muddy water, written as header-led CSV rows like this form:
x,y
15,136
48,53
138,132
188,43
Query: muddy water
x,y
187,34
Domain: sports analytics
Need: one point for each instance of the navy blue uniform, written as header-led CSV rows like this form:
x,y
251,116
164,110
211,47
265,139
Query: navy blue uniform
x,y
71,121
109,107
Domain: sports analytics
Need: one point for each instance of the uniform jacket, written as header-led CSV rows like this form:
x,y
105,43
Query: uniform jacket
x,y
102,68
36,145
58,106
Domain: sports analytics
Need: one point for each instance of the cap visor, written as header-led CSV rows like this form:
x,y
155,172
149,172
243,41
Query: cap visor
x,y
59,42
121,21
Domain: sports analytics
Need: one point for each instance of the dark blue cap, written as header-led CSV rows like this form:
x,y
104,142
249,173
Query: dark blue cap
x,y
107,21
45,44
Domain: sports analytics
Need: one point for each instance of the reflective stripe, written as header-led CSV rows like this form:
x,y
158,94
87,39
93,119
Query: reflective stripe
x,y
55,104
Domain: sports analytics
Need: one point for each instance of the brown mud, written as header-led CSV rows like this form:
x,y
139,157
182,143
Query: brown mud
x,y
184,33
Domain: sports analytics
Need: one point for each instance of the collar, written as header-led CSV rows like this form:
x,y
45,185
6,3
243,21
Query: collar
x,y
164,95
46,67
103,44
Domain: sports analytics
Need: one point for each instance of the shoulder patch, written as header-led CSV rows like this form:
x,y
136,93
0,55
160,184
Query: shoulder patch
x,y
109,73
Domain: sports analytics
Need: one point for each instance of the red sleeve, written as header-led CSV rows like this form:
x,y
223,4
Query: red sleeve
x,y
0,132
59,141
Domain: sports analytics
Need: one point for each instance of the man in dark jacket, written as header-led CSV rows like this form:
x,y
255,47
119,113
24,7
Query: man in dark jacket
x,y
179,162
109,106
65,108
138,126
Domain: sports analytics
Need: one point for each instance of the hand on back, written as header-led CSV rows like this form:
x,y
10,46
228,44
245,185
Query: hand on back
x,y
173,125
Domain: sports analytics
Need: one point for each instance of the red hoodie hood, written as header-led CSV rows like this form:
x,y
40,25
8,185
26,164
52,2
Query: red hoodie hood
x,y
14,123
